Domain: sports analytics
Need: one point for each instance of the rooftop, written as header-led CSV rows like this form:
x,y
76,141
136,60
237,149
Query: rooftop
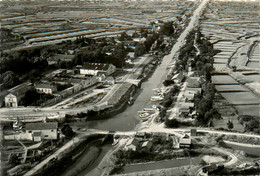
x,y
41,126
20,89
45,86
95,66
185,141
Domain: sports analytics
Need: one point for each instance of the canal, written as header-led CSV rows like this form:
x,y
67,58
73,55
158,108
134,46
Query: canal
x,y
124,121
128,119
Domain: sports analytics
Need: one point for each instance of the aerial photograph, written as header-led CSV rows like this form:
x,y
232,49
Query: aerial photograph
x,y
129,87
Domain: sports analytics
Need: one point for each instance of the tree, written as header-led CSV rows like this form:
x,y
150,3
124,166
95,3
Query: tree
x,y
171,123
67,131
199,66
140,50
167,28
230,124
168,82
9,79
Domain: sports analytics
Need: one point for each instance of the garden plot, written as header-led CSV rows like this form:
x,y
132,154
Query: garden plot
x,y
240,57
222,123
223,79
241,98
224,53
253,110
220,61
253,78
253,64
222,56
219,67
230,88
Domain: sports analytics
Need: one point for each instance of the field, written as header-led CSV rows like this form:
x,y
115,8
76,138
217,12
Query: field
x,y
37,22
234,31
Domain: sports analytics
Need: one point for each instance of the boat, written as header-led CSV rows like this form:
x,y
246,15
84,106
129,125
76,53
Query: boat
x,y
149,109
141,112
156,98
131,101
144,115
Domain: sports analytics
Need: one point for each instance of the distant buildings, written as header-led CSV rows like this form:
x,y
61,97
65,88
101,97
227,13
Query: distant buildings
x,y
16,94
95,69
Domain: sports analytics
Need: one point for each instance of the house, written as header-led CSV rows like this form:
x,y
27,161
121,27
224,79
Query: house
x,y
189,96
140,135
189,93
193,82
185,142
97,68
16,93
39,131
179,78
58,58
147,145
186,108
45,88
131,55
132,144
212,169
193,90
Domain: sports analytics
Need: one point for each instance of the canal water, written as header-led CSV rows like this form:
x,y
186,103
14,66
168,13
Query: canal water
x,y
128,119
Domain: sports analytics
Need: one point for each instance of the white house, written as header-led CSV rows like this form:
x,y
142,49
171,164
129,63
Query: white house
x,y
147,145
95,69
16,94
39,131
132,144
186,108
190,93
185,142
45,88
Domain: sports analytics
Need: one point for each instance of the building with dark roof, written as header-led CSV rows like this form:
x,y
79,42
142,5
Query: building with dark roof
x,y
39,131
16,94
193,82
45,88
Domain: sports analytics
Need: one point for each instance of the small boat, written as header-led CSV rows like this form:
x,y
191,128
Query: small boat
x,y
141,112
156,98
144,115
149,109
145,118
131,101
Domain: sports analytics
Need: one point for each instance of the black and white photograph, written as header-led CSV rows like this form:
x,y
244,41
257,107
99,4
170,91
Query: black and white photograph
x,y
129,87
